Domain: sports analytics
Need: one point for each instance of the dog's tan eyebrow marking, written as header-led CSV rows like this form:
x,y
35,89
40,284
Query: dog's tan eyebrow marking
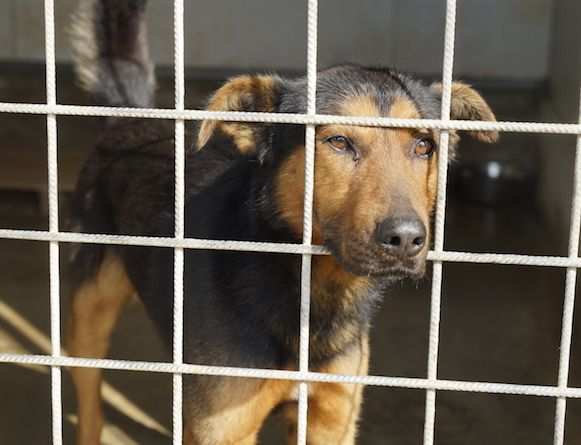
x,y
403,108
360,106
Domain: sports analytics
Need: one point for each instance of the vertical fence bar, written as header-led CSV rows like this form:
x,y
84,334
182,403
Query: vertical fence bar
x,y
448,67
178,335
569,303
53,224
312,19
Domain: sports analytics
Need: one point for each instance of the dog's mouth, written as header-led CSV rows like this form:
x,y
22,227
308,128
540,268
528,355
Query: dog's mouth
x,y
369,259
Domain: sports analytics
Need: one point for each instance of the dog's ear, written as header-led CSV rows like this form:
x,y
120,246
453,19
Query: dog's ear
x,y
468,104
256,93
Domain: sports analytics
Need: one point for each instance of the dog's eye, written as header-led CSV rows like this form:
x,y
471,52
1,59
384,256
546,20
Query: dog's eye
x,y
343,144
339,143
424,147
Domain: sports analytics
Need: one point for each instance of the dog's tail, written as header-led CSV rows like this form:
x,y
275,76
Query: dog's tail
x,y
111,54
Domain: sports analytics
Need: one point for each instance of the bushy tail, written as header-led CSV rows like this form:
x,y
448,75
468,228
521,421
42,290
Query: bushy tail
x,y
111,54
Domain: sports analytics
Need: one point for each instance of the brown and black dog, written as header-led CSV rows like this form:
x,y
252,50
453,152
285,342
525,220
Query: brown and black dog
x,y
374,195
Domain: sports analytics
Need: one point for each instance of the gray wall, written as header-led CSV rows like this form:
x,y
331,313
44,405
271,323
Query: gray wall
x,y
495,38
558,152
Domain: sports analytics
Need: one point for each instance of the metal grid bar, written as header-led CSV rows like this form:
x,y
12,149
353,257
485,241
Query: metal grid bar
x,y
431,384
289,118
179,194
306,260
295,249
52,147
569,303
296,376
434,336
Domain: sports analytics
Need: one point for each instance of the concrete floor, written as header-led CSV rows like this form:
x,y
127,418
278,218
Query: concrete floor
x,y
499,324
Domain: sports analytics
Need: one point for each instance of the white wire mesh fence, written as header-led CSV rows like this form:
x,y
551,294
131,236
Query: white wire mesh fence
x,y
431,384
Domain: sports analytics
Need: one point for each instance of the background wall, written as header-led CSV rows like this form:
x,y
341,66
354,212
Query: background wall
x,y
562,105
495,38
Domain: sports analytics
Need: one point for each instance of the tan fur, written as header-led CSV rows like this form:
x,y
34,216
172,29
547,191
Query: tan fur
x,y
236,412
326,270
237,95
467,104
96,307
403,108
424,195
334,408
289,192
239,407
360,106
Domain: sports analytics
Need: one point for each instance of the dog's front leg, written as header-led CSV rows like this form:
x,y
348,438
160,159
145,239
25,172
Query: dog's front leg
x,y
229,410
333,407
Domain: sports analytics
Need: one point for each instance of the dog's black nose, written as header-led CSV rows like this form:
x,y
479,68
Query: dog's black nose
x,y
402,236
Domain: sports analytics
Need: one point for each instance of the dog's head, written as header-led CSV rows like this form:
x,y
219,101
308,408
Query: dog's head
x,y
375,188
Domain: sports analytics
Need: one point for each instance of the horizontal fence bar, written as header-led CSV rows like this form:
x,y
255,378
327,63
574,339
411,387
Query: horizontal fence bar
x,y
504,258
302,119
285,248
151,241
255,373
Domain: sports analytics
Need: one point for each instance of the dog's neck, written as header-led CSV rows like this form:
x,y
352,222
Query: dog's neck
x,y
342,303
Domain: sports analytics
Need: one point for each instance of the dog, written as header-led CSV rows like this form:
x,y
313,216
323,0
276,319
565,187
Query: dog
x,y
374,195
